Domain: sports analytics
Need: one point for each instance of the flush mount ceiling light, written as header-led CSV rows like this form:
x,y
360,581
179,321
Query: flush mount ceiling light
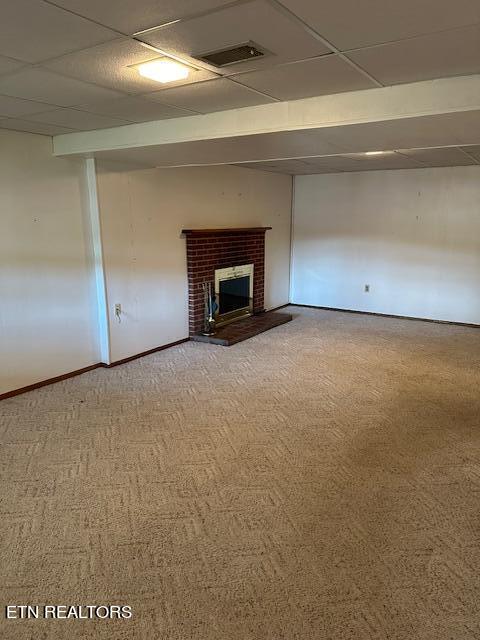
x,y
163,70
375,153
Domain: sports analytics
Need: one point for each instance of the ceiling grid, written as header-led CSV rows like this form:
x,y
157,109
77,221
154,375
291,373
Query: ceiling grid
x,y
69,65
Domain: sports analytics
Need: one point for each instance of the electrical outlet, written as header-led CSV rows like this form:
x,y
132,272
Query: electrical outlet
x,y
367,288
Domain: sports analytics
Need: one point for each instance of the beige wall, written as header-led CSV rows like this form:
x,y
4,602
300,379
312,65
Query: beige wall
x,y
413,236
142,214
47,325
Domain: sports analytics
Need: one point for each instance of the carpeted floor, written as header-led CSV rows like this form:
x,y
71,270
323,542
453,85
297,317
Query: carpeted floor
x,y
319,481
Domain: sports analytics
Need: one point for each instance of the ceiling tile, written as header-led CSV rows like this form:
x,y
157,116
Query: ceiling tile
x,y
315,77
333,163
408,133
33,31
80,120
293,166
401,159
212,95
447,157
313,170
248,148
277,166
131,16
473,151
135,109
262,166
451,53
384,166
357,162
146,156
291,144
389,160
256,21
45,86
7,65
14,107
349,24
33,127
108,65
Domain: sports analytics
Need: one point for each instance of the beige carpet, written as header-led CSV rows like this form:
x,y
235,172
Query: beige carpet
x,y
319,481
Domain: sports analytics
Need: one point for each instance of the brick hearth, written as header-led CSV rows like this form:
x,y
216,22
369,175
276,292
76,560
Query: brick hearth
x,y
210,249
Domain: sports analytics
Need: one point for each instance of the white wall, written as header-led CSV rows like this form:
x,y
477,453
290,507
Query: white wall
x,y
142,214
413,236
46,307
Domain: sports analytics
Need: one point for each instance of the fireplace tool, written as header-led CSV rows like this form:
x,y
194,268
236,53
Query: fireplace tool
x,y
209,308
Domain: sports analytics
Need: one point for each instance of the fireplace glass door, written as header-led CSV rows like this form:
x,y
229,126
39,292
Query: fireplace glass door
x,y
233,293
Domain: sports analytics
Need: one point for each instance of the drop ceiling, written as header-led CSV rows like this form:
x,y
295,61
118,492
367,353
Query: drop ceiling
x,y
339,163
398,159
65,65
406,143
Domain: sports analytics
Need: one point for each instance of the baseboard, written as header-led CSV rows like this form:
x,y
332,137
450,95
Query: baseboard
x,y
43,383
78,372
282,306
387,315
144,353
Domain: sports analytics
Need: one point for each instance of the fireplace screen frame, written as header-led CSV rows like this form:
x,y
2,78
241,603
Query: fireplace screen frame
x,y
232,273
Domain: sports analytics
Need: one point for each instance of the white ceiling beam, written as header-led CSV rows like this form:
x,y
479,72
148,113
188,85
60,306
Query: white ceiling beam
x,y
433,97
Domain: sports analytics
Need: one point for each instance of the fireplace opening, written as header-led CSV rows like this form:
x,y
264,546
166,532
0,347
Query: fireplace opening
x,y
233,293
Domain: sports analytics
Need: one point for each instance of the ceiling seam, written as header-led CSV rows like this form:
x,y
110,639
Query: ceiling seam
x,y
414,160
408,38
56,107
133,37
469,155
244,86
195,65
192,16
79,15
318,36
88,113
144,97
197,113
289,63
278,5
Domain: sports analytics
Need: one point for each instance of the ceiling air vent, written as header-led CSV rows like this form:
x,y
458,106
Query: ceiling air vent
x,y
239,53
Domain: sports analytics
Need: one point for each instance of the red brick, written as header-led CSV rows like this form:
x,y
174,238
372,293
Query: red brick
x,y
216,251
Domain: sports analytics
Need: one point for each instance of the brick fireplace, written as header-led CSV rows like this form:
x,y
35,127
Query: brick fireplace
x,y
212,249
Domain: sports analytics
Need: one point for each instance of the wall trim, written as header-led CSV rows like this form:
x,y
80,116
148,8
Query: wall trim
x,y
224,230
43,383
78,372
387,315
144,353
282,306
